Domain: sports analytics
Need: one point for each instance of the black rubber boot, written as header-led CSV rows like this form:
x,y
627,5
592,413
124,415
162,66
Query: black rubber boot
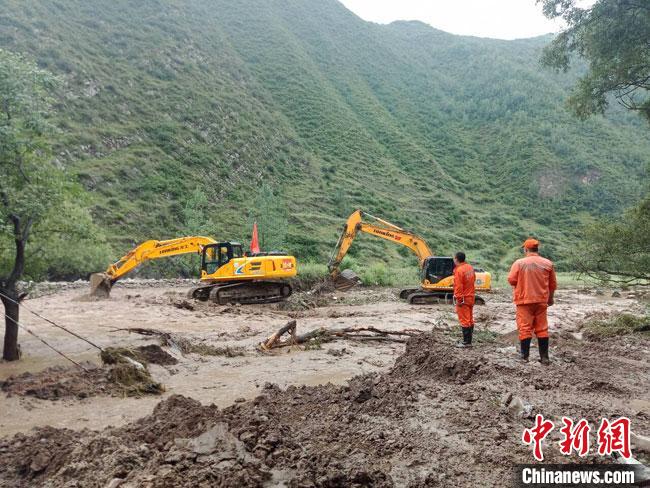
x,y
543,351
524,349
471,334
467,337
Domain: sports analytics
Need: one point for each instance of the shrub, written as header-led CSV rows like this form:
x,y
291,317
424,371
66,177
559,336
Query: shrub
x,y
617,325
378,275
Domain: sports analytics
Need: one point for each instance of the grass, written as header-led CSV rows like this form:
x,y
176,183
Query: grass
x,y
481,335
598,328
374,274
117,355
130,379
309,275
380,274
293,115
134,381
564,280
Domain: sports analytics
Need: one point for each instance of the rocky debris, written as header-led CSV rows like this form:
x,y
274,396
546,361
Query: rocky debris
x,y
184,304
407,427
338,352
518,409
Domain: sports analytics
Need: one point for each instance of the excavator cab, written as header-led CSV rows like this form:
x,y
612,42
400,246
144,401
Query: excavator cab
x,y
436,269
215,256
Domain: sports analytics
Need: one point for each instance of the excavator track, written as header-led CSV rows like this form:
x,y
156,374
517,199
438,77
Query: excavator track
x,y
404,294
244,292
423,297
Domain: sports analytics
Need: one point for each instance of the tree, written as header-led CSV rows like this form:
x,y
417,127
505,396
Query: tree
x,y
30,182
613,36
619,251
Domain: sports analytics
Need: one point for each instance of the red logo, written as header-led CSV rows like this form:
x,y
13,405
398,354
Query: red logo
x,y
575,437
537,434
613,436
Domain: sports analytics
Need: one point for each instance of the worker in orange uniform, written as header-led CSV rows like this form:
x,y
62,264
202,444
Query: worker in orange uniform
x,y
464,278
533,280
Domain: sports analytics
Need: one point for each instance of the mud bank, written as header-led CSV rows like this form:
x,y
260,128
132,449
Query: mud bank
x,y
440,417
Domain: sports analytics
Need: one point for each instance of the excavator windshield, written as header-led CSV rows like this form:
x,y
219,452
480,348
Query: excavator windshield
x,y
436,269
216,255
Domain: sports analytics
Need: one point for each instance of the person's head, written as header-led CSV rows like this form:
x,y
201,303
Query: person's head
x,y
531,245
459,258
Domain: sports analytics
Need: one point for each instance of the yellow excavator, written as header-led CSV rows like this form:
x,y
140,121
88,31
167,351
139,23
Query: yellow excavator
x,y
436,273
228,275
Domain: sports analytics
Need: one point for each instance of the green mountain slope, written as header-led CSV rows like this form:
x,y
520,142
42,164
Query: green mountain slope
x,y
200,116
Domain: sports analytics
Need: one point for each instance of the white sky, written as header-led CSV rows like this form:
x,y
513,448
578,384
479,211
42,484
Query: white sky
x,y
500,19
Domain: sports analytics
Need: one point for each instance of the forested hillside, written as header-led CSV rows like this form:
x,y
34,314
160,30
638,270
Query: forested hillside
x,y
200,116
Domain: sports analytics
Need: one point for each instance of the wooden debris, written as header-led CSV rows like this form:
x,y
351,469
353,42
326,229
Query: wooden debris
x,y
323,334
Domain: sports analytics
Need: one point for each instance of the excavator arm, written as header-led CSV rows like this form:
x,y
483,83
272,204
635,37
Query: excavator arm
x,y
101,283
380,228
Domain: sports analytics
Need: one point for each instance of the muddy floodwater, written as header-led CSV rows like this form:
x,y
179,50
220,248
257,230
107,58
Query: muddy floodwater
x,y
411,411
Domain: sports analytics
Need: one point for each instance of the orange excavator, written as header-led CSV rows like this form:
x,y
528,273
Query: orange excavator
x,y
436,273
228,275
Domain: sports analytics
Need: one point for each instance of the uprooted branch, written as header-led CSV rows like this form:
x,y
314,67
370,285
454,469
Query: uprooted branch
x,y
141,331
323,334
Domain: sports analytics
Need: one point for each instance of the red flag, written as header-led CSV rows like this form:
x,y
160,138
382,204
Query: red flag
x,y
255,245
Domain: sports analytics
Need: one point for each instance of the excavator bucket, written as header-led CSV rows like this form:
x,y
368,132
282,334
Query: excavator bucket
x,y
346,280
100,285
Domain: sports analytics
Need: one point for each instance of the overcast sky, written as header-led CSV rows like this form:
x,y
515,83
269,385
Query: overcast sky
x,y
500,19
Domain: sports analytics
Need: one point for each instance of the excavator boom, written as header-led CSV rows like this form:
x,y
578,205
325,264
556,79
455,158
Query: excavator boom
x,y
436,272
382,229
101,283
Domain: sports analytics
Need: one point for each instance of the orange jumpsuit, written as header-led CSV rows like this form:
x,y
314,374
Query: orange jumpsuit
x,y
533,279
464,278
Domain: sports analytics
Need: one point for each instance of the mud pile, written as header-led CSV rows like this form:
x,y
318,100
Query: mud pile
x,y
149,354
304,301
59,382
154,354
180,443
441,417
